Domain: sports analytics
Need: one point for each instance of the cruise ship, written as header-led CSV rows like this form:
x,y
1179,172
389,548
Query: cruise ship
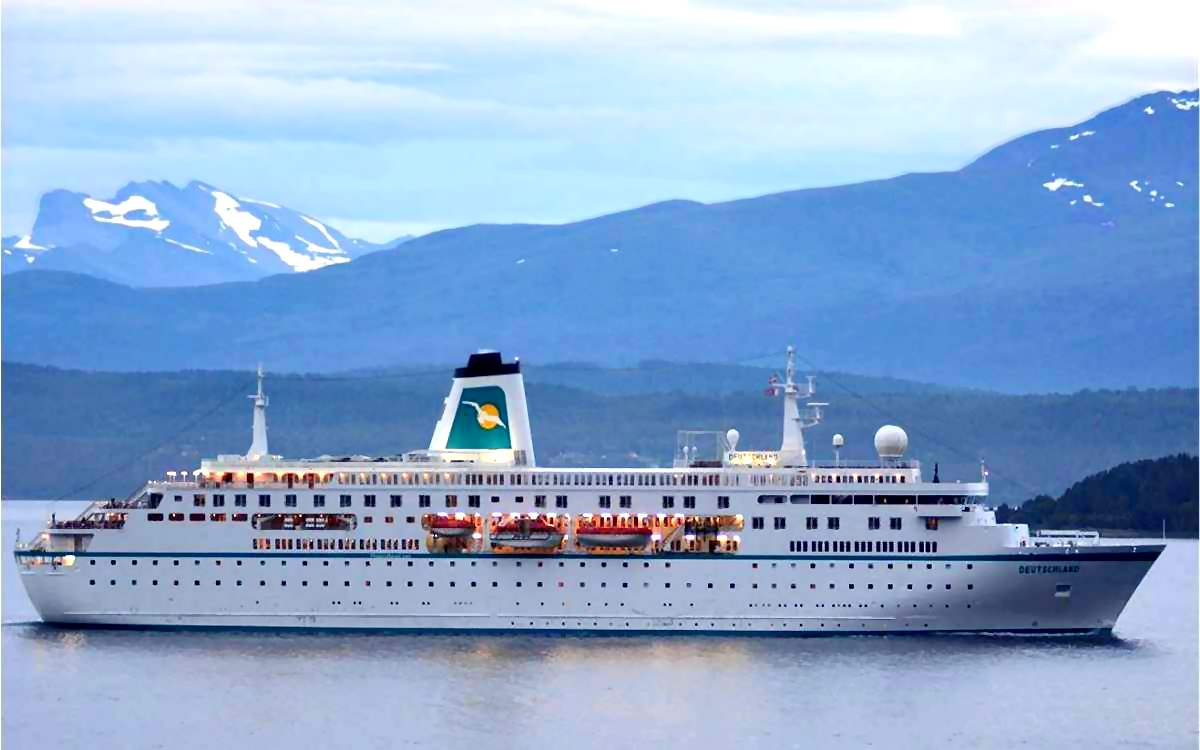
x,y
472,535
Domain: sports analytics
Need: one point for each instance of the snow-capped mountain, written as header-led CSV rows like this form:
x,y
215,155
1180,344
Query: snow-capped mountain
x,y
157,234
997,275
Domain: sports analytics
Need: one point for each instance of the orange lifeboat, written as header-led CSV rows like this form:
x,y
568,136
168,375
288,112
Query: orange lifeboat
x,y
595,535
449,527
526,533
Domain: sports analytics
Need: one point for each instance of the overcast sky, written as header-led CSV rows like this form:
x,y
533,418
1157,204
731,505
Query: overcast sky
x,y
384,118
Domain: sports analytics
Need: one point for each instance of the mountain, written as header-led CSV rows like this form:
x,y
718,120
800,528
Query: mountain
x,y
1148,496
1061,260
156,234
74,433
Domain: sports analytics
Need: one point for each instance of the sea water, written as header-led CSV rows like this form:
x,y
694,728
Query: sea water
x,y
81,688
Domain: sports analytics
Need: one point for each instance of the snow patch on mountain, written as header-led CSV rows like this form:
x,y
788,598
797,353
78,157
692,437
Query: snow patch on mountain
x,y
186,246
1060,182
1084,134
26,243
126,213
1185,104
232,216
322,229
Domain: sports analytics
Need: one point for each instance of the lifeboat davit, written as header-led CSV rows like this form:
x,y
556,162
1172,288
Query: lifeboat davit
x,y
527,533
614,536
449,527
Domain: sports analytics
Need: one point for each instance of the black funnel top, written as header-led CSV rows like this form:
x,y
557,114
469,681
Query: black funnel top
x,y
487,363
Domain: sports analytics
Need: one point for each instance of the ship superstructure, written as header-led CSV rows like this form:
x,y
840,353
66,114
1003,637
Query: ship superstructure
x,y
470,534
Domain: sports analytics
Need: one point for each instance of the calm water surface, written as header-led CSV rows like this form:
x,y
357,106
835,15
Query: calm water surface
x,y
126,689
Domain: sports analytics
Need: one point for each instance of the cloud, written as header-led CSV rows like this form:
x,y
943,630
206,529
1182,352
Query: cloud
x,y
457,112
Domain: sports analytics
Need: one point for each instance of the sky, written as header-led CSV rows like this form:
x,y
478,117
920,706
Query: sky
x,y
390,118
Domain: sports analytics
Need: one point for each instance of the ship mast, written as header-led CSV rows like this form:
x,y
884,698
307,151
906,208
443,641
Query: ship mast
x,y
258,445
792,452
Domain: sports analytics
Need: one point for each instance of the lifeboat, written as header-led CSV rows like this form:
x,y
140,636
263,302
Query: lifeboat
x,y
451,528
613,536
526,533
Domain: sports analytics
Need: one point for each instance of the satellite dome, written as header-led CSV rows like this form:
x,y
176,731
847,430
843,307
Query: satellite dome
x,y
838,440
891,441
731,437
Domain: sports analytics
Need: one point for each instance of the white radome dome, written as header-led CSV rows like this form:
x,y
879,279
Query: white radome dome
x,y
838,440
891,441
731,438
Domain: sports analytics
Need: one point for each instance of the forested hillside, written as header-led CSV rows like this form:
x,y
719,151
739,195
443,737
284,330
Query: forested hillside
x,y
1137,496
80,434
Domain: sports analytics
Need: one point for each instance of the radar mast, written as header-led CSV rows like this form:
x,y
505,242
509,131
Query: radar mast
x,y
258,445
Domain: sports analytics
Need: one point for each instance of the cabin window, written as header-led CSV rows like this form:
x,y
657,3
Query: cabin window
x,y
722,502
368,501
780,522
218,501
264,501
560,501
834,523
689,501
196,517
756,522
539,501
931,524
668,501
473,501
198,501
424,501
605,501
895,524
396,501
812,522
344,501
451,501
318,501
289,501
873,523
626,501
239,501
149,517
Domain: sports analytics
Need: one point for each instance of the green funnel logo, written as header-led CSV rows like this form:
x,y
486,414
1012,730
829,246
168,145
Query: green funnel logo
x,y
481,422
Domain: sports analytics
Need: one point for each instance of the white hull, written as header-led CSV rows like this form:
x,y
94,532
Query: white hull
x,y
1001,595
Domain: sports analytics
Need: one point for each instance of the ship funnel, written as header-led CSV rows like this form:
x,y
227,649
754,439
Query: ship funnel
x,y
485,415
